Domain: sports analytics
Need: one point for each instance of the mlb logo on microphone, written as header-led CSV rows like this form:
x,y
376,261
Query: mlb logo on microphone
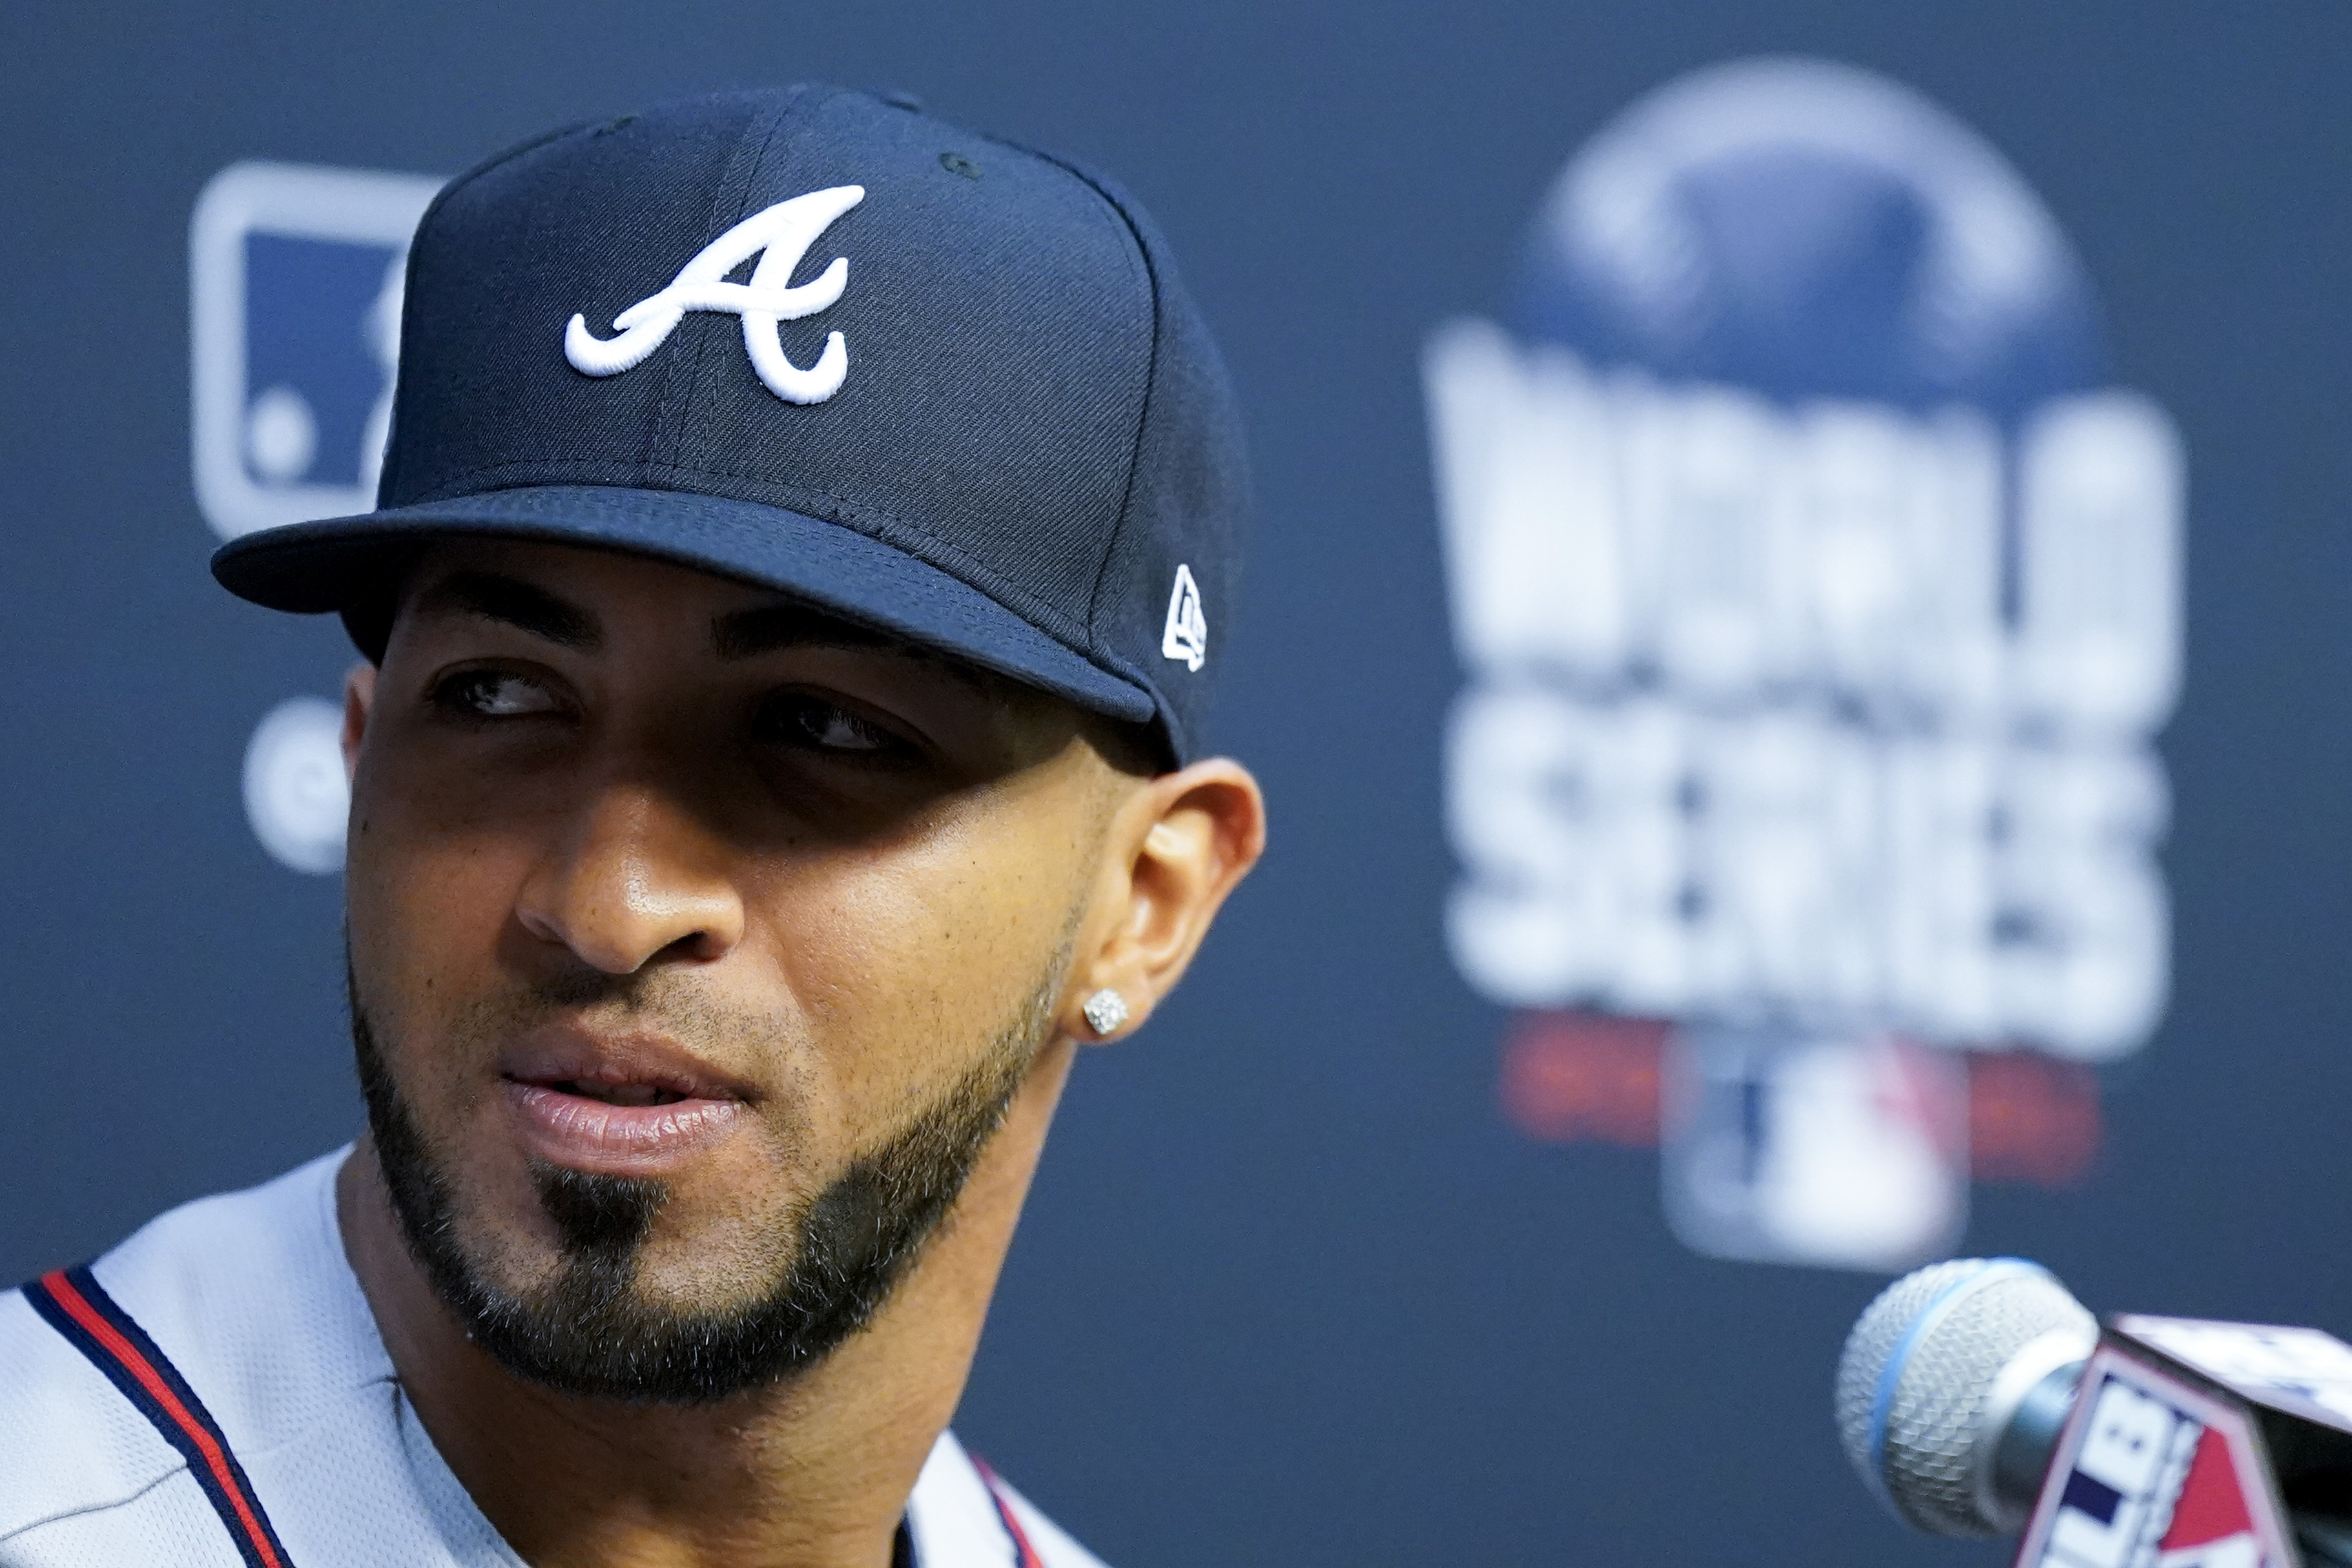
x,y
2154,1474
295,276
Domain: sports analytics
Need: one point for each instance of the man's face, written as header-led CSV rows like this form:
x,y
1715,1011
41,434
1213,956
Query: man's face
x,y
698,944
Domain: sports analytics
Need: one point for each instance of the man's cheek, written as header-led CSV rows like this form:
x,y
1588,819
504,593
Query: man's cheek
x,y
431,916
957,917
425,996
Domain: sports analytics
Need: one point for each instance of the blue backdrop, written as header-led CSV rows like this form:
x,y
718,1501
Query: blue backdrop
x,y
1290,1287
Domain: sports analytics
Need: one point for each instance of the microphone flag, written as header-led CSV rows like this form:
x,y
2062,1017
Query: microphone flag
x,y
2188,1444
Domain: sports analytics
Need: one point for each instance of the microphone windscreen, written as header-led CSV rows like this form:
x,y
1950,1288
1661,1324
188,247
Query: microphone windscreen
x,y
1934,1371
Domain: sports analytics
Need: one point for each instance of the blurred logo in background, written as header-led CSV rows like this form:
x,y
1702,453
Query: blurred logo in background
x,y
296,796
294,312
295,279
1819,604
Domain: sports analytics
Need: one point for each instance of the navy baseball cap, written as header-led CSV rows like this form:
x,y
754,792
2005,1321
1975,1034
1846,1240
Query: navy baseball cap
x,y
930,381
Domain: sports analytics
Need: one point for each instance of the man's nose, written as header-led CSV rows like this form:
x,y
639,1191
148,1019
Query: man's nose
x,y
635,877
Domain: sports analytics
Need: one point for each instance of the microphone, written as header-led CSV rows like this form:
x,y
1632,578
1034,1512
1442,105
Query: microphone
x,y
2207,1443
1952,1389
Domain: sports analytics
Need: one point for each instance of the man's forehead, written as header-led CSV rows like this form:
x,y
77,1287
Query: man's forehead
x,y
573,596
578,596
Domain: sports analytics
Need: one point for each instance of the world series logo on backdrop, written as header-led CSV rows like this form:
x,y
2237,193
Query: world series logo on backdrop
x,y
1818,606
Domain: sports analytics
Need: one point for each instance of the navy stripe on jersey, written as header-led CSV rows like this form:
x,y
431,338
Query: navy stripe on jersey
x,y
73,1302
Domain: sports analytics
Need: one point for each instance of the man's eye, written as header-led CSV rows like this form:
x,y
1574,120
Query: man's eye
x,y
493,694
813,722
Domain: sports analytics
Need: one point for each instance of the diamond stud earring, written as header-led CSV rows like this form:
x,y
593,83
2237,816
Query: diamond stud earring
x,y
1106,1010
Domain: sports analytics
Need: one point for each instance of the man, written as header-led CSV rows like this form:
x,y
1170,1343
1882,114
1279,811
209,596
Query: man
x,y
786,620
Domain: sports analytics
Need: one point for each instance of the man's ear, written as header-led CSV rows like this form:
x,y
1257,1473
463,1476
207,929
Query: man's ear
x,y
1175,847
359,697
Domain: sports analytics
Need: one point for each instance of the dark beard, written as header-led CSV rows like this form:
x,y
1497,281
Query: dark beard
x,y
589,1331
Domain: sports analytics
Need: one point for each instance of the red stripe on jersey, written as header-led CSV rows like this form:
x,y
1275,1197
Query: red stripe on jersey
x,y
1027,1554
126,1355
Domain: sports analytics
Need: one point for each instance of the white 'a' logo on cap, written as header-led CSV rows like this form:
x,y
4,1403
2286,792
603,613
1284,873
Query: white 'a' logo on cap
x,y
1186,635
778,236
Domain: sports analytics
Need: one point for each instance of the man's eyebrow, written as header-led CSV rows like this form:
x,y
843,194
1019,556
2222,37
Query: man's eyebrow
x,y
747,634
515,603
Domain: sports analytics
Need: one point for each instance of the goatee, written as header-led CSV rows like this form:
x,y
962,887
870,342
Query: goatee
x,y
589,1328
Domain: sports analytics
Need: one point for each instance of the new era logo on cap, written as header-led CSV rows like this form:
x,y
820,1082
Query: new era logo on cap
x,y
1186,635
1005,438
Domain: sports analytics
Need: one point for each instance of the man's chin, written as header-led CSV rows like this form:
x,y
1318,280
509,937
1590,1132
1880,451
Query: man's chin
x,y
588,1323
587,1314
620,1288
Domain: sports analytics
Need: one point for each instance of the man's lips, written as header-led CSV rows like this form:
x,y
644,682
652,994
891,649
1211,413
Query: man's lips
x,y
630,1106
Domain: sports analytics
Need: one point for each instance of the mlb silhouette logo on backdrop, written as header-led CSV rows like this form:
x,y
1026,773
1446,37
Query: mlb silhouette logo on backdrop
x,y
294,287
294,315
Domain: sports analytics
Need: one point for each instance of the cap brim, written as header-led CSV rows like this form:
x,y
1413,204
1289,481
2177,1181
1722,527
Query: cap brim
x,y
316,567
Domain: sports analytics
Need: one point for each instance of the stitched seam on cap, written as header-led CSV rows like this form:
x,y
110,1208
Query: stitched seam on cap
x,y
804,97
675,406
387,480
1139,257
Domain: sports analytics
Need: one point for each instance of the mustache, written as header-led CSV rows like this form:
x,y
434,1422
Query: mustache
x,y
650,989
672,1004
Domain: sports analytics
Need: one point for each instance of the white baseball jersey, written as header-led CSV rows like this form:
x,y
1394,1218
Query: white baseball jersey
x,y
214,1392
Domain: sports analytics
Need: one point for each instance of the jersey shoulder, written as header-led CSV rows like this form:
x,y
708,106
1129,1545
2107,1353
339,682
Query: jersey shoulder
x,y
70,1443
230,1290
